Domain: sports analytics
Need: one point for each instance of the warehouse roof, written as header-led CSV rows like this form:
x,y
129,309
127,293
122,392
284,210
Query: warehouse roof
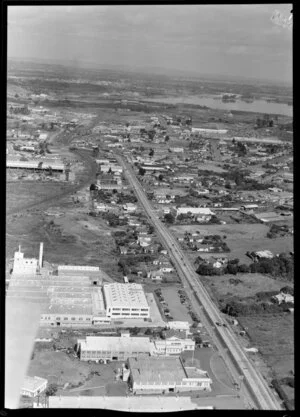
x,y
121,343
167,370
196,210
131,295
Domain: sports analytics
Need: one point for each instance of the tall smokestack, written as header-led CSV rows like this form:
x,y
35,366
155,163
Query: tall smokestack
x,y
41,255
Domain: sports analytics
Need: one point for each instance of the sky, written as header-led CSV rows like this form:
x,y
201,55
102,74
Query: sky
x,y
229,40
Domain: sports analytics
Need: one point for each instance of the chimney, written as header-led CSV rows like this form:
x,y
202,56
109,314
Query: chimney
x,y
41,255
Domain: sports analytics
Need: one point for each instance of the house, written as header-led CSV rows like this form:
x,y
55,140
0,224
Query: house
x,y
264,254
33,386
200,211
130,207
144,241
283,298
101,207
166,269
155,275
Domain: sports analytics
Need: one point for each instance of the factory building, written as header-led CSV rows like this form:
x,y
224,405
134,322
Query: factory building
x,y
164,375
36,164
74,295
102,348
120,348
125,301
204,211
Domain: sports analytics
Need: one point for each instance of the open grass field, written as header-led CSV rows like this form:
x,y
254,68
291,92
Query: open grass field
x,y
273,335
21,194
60,368
250,284
75,238
240,238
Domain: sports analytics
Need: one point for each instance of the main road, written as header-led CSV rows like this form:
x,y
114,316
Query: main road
x,y
255,389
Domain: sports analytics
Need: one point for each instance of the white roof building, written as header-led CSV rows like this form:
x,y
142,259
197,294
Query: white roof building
x,y
33,386
125,301
113,348
65,268
195,210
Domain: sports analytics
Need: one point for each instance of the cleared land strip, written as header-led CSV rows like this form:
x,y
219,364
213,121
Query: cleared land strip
x,y
255,387
92,167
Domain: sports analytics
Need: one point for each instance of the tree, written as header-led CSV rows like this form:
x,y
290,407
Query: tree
x,y
51,390
167,138
142,171
160,177
232,269
169,218
151,153
243,268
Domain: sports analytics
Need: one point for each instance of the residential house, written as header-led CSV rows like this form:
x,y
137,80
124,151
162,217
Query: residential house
x,y
283,298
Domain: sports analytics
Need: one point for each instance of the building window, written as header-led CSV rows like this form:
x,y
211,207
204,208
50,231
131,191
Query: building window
x,y
65,318
57,318
73,318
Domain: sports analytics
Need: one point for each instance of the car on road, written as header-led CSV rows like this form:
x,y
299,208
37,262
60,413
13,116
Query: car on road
x,y
224,325
218,324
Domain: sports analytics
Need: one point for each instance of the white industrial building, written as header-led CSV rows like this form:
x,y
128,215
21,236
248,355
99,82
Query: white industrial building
x,y
203,130
200,211
65,269
125,301
102,348
164,375
33,386
36,164
119,348
74,295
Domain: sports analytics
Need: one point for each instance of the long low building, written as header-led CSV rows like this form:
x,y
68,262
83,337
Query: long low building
x,y
117,348
164,375
133,403
35,165
97,348
204,130
204,211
